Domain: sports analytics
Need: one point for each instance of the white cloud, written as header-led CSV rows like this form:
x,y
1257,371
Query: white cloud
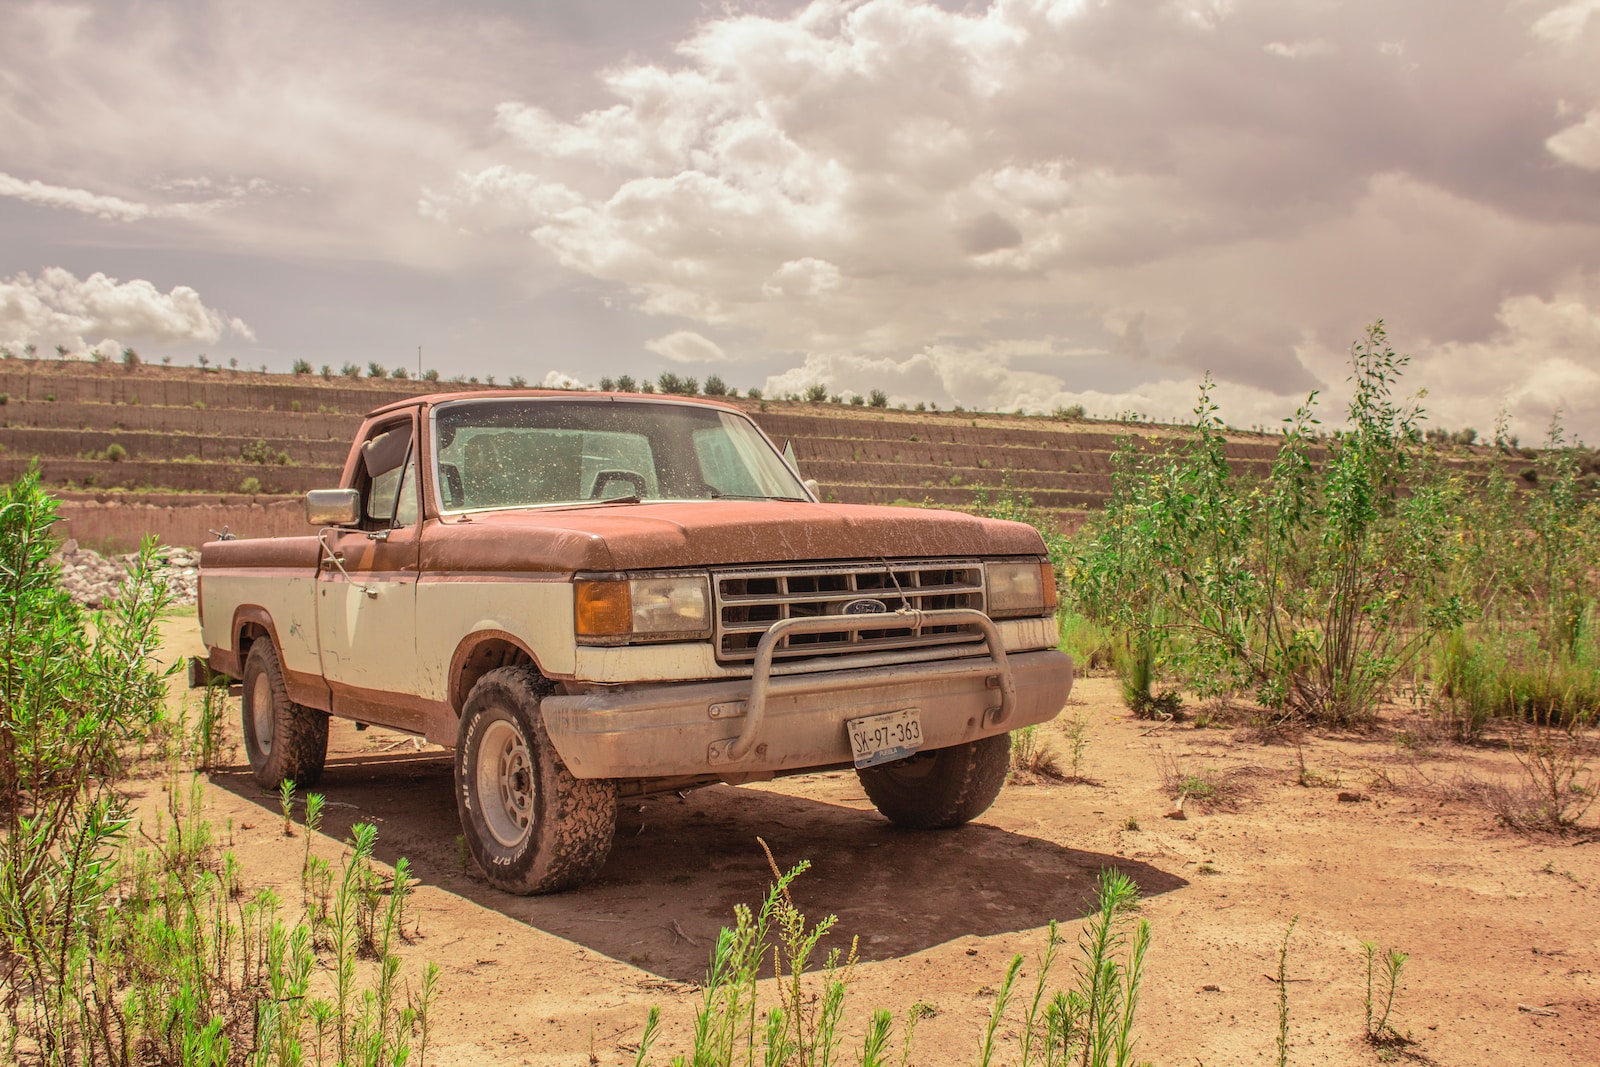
x,y
686,346
1567,22
81,200
1578,144
58,308
987,234
558,379
1299,49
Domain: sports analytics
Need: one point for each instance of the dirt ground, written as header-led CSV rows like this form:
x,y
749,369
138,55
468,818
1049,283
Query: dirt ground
x,y
1503,932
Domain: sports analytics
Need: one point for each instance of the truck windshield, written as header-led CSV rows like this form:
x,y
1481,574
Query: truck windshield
x,y
530,452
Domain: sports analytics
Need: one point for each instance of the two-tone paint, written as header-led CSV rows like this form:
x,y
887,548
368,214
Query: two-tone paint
x,y
398,630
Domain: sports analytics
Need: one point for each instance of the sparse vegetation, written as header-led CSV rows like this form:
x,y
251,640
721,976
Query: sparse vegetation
x,y
126,954
1090,1021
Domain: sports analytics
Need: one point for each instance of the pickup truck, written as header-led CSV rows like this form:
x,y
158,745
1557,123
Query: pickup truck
x,y
591,596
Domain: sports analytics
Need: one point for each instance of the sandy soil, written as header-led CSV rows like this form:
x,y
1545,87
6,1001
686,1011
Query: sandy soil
x,y
1496,924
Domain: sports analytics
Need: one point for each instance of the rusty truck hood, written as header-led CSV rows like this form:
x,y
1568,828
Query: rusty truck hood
x,y
620,537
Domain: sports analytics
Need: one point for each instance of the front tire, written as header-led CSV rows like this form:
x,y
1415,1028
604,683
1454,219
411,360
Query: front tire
x,y
531,825
940,789
283,740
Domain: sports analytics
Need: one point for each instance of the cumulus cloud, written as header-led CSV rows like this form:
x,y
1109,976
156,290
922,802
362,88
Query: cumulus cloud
x,y
1578,144
558,379
686,346
975,205
55,307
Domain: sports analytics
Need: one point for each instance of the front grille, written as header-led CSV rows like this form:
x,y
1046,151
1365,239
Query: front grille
x,y
750,601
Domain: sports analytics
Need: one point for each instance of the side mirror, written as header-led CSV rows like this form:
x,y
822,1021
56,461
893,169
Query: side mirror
x,y
333,507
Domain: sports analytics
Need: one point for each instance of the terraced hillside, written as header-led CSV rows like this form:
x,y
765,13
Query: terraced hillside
x,y
181,452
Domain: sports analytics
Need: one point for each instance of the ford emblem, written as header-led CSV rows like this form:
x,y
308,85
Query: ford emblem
x,y
865,607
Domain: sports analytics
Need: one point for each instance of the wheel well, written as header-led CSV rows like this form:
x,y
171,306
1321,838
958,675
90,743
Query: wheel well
x,y
487,655
249,632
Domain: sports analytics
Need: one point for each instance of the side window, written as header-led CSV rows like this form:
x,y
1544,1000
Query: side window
x,y
405,510
384,459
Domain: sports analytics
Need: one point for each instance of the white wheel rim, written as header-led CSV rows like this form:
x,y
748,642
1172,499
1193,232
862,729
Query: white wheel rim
x,y
505,783
261,712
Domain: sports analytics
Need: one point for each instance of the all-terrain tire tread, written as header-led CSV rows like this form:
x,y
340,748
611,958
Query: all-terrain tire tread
x,y
578,816
961,784
299,733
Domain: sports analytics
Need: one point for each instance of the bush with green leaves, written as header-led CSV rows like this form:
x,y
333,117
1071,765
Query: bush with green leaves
x,y
1314,588
120,954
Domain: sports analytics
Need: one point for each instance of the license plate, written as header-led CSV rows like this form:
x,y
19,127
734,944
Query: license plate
x,y
883,738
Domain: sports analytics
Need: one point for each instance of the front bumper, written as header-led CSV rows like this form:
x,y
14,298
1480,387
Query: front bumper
x,y
690,728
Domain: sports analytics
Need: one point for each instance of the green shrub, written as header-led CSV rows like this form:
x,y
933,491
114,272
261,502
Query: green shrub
x,y
116,453
878,399
816,393
251,485
302,366
1315,588
715,386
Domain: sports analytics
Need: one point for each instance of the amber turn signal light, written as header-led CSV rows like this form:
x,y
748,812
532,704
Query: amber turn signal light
x,y
1047,583
602,608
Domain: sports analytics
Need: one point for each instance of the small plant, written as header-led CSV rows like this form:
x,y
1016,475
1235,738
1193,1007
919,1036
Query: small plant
x,y
1387,968
301,366
518,382
286,805
116,453
1283,995
430,375
400,374
878,399
816,393
1559,783
1131,824
250,485
715,386
1032,754
206,743
1077,734
350,370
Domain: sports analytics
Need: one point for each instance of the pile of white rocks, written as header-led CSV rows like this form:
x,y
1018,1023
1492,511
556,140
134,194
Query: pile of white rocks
x,y
92,579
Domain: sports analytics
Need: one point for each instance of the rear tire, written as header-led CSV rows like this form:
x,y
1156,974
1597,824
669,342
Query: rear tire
x,y
531,825
283,740
940,789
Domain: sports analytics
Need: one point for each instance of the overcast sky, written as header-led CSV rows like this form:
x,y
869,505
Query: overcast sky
x,y
1018,203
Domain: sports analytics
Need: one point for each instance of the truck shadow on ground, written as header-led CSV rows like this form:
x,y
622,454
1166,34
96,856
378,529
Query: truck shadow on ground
x,y
681,863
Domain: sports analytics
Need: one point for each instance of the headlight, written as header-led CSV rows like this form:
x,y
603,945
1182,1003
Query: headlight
x,y
615,610
1021,588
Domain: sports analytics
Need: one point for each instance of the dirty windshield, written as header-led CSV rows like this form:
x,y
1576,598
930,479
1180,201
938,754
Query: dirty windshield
x,y
519,452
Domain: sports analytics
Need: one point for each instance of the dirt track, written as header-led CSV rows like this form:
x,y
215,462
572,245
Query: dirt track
x,y
1495,923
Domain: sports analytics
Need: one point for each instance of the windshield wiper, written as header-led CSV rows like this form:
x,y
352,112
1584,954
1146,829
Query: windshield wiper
x,y
759,496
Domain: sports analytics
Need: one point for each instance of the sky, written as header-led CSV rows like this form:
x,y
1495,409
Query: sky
x,y
1007,204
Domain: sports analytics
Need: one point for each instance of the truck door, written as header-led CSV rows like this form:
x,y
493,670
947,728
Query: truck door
x,y
367,587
